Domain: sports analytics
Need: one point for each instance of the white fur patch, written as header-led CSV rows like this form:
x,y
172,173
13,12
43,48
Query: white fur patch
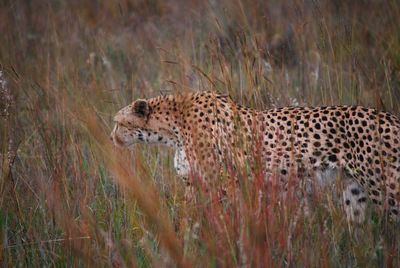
x,y
181,163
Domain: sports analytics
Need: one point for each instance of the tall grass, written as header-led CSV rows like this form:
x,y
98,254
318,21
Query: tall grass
x,y
69,198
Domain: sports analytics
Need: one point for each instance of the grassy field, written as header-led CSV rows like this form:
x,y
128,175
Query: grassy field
x,y
68,198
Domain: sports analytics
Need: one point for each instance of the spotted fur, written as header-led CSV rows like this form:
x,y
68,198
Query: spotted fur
x,y
210,131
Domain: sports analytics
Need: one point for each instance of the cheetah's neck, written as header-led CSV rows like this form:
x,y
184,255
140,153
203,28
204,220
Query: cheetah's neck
x,y
167,112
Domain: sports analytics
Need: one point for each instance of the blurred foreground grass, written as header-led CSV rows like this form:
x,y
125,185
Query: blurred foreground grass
x,y
68,198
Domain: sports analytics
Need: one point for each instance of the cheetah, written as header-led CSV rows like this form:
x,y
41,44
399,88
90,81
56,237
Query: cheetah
x,y
209,131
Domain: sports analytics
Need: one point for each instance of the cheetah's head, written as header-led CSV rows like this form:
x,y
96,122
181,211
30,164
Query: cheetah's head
x,y
136,123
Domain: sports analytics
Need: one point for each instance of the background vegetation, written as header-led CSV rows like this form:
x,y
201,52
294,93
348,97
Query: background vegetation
x,y
67,198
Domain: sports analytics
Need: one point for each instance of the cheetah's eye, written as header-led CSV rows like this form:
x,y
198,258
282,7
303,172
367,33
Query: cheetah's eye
x,y
120,125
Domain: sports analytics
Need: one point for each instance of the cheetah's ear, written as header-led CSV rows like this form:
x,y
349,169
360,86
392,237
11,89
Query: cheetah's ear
x,y
141,108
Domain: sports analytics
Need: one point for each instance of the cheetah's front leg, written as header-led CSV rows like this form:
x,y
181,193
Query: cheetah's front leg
x,y
182,167
181,162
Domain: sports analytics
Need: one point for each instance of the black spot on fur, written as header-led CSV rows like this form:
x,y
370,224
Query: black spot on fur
x,y
355,191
